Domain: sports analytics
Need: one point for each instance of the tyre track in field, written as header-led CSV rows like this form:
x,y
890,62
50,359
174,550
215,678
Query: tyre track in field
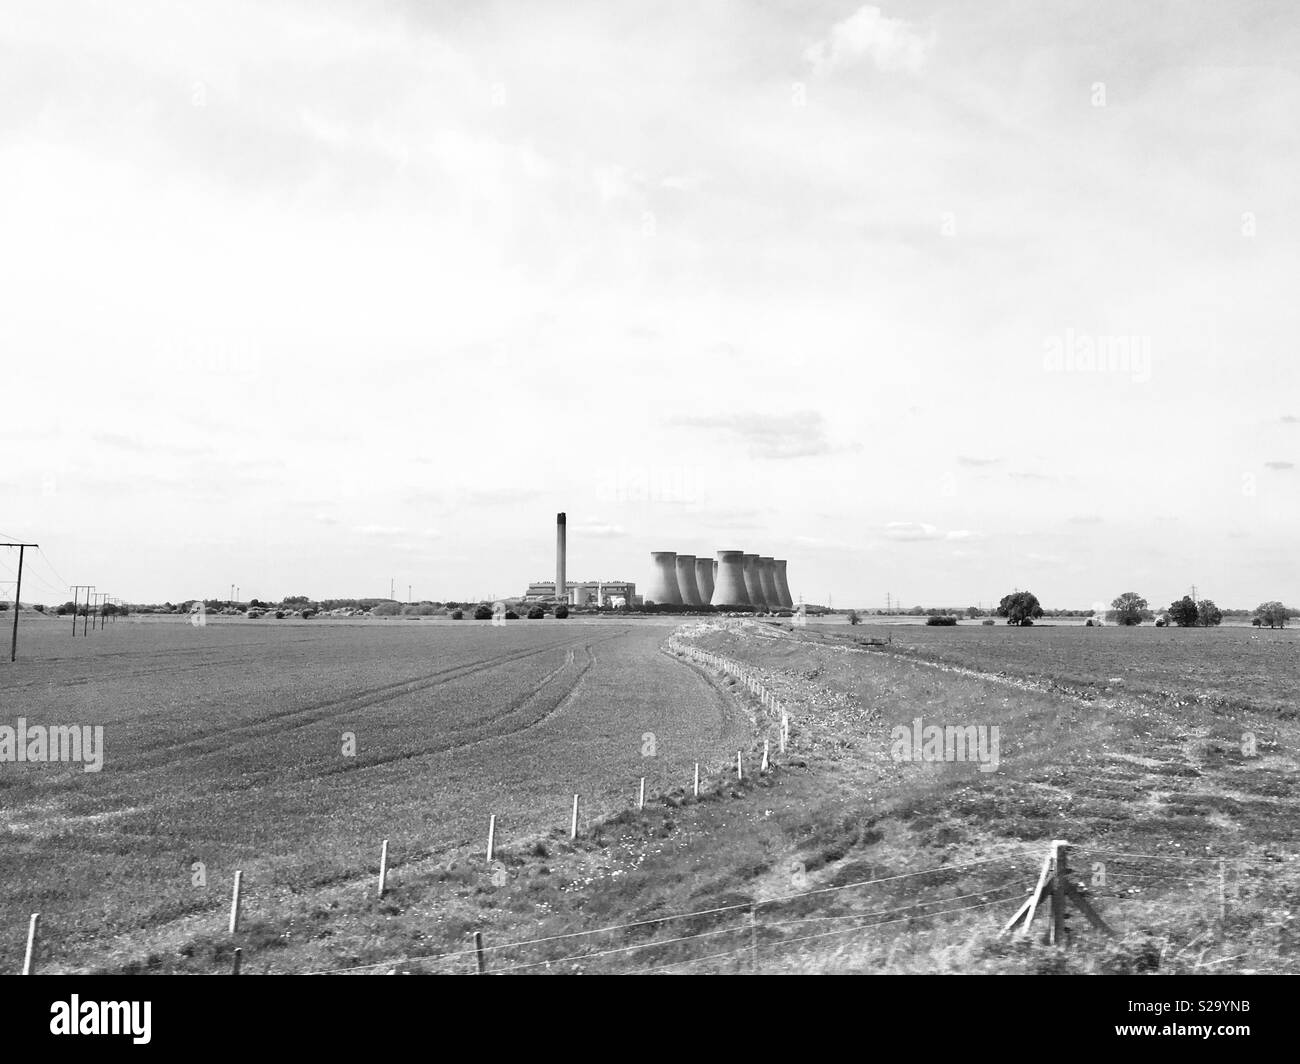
x,y
107,677
219,740
514,707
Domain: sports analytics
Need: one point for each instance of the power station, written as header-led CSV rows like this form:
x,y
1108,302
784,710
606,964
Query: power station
x,y
731,578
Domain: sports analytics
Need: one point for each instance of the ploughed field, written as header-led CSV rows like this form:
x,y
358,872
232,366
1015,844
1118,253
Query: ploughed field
x,y
291,750
1237,666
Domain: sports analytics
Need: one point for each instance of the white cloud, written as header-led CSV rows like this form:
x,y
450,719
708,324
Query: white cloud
x,y
890,43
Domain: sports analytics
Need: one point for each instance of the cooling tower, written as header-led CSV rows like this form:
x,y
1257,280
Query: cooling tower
x,y
686,580
561,548
753,585
782,587
767,579
704,570
729,588
663,579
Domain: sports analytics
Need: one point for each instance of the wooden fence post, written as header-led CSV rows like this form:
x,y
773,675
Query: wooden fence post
x,y
478,953
29,958
234,965
763,767
697,779
492,836
640,801
1058,892
740,771
234,903
573,822
383,867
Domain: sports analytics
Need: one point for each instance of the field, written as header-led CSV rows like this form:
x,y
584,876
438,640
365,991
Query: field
x,y
1167,760
225,745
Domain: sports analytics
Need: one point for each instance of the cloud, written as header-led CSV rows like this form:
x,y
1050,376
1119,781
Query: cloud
x,y
798,435
965,460
889,43
1084,519
599,531
1279,466
919,531
1290,419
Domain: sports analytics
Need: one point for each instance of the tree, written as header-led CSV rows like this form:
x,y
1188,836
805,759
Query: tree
x,y
483,612
561,611
1208,614
457,614
536,613
1130,609
1183,612
1019,607
854,618
972,612
1273,614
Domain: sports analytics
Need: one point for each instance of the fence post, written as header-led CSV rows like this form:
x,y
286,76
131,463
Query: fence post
x,y
29,959
234,903
1058,892
478,953
383,867
640,801
763,768
753,937
492,836
697,779
573,822
234,966
740,771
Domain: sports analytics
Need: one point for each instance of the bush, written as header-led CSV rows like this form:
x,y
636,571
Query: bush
x,y
561,611
987,620
1088,623
511,615
279,615
483,613
535,614
308,614
941,621
457,615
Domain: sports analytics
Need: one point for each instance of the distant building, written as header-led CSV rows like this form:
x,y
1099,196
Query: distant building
x,y
586,592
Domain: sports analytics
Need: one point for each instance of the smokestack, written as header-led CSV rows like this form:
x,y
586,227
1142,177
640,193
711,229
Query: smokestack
x,y
753,585
663,579
767,578
704,570
729,589
686,580
782,587
561,549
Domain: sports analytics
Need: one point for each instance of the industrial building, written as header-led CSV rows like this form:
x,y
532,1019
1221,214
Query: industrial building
x,y
733,578
586,593
579,592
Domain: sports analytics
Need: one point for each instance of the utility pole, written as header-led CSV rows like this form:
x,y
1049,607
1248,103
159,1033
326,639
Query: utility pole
x,y
86,623
392,588
76,590
18,594
408,594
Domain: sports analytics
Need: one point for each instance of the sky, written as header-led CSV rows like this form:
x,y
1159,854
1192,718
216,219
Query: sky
x,y
934,300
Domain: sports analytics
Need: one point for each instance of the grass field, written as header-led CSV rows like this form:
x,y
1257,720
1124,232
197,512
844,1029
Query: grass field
x,y
1236,666
224,747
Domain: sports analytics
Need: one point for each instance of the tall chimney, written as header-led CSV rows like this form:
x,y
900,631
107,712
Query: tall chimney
x,y
561,588
704,569
767,581
782,585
